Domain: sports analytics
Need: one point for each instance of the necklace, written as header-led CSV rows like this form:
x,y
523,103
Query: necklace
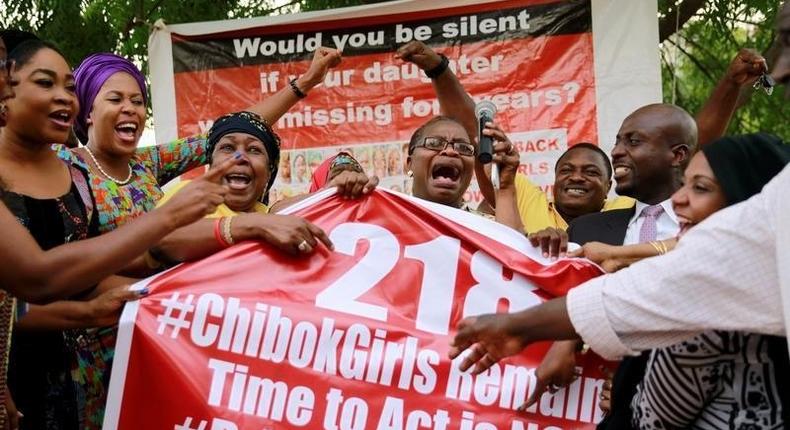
x,y
107,175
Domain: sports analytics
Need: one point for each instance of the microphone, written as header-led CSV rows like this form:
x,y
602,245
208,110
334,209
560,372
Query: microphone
x,y
485,111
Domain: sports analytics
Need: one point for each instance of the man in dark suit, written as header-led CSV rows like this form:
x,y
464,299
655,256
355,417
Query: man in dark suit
x,y
653,146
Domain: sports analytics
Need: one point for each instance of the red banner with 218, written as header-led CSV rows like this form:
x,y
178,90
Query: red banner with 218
x,y
350,339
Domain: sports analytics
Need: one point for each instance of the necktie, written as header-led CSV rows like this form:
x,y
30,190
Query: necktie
x,y
648,231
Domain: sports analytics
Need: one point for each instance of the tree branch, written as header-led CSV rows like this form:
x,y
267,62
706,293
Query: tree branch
x,y
153,9
696,62
667,24
289,4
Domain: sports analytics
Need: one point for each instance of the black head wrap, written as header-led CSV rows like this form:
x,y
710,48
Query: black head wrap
x,y
744,164
252,124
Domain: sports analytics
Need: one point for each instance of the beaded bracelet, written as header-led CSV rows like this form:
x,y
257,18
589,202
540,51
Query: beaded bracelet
x,y
227,236
218,233
299,93
345,159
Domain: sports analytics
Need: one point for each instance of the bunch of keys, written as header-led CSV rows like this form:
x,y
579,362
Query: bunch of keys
x,y
766,83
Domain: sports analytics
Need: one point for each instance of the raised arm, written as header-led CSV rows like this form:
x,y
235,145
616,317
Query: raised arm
x,y
716,113
172,159
453,99
272,108
43,276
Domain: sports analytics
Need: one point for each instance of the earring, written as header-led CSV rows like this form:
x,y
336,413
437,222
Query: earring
x,y
410,173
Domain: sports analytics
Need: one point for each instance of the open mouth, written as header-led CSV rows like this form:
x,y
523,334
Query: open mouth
x,y
127,131
61,118
684,223
445,175
237,181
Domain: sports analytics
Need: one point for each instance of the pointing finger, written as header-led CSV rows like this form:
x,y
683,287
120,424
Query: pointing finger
x,y
216,173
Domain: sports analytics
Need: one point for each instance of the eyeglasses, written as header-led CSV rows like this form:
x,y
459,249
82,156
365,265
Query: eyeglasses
x,y
8,66
436,143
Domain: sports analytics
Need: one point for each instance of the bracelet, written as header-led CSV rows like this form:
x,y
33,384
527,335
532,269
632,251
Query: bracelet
x,y
660,247
345,159
150,261
227,236
656,247
299,93
438,70
218,233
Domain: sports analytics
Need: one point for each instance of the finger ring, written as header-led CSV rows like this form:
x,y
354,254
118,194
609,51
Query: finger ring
x,y
510,147
303,245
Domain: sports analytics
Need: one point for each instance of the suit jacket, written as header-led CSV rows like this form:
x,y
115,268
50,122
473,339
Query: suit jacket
x,y
610,227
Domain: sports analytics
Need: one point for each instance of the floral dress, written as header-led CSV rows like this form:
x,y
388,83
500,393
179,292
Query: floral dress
x,y
116,205
39,370
152,167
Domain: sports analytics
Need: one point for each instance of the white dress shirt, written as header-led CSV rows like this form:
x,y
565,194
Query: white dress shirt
x,y
730,272
667,225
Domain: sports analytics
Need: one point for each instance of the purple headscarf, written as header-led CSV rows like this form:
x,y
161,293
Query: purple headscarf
x,y
90,75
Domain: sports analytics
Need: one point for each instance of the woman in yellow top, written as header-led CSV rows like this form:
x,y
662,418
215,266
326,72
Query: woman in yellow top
x,y
243,216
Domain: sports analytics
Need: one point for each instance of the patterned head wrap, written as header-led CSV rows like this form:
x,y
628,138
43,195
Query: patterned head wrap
x,y
331,167
252,124
89,77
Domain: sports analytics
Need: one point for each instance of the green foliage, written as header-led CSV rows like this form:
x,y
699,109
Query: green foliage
x,y
309,5
82,27
704,47
693,59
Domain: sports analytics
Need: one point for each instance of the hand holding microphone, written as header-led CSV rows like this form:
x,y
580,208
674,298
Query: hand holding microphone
x,y
502,153
485,111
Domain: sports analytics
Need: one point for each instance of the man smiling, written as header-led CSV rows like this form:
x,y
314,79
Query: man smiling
x,y
583,172
653,145
583,177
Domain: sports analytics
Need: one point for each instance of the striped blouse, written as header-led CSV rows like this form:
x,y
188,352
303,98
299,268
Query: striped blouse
x,y
716,380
